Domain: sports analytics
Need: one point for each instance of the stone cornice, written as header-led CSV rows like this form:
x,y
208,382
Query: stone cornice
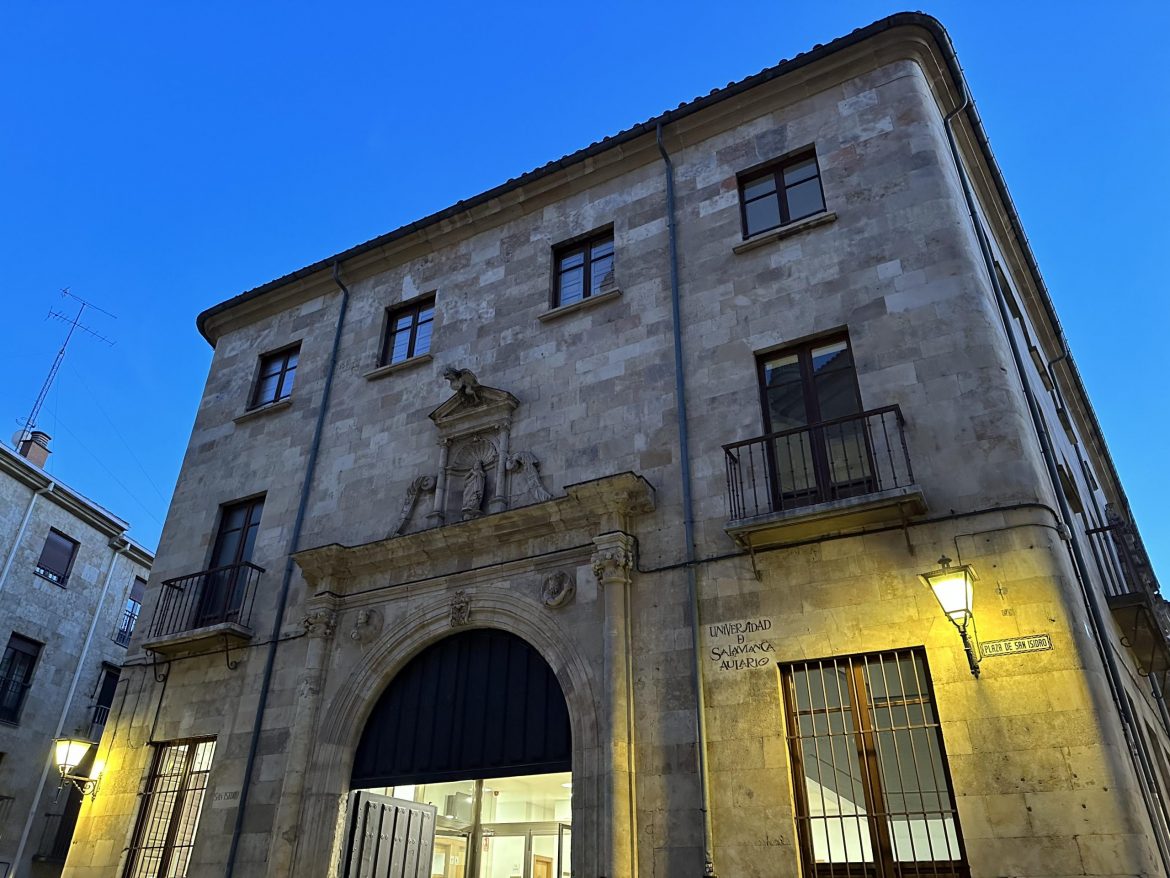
x,y
499,538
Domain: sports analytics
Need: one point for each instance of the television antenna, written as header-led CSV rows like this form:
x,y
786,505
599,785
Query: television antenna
x,y
75,324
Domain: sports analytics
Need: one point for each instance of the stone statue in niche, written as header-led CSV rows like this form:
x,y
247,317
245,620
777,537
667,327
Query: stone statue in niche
x,y
473,488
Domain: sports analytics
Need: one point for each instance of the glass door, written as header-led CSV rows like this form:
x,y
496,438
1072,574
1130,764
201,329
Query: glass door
x,y
223,589
449,859
564,850
810,398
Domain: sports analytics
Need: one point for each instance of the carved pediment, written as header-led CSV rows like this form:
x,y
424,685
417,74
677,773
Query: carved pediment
x,y
476,465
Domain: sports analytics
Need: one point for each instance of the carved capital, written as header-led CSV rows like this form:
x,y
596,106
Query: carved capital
x,y
367,625
460,609
557,590
614,558
320,623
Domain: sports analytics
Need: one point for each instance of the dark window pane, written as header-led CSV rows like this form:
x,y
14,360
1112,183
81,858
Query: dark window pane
x,y
291,358
602,248
403,322
800,171
400,347
600,271
427,313
804,199
759,186
286,386
267,389
422,341
762,215
571,260
572,285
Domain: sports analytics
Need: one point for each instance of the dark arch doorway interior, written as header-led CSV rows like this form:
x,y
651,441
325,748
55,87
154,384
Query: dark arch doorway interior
x,y
463,767
482,703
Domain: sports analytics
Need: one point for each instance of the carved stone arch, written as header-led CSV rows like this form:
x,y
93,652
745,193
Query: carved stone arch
x,y
344,717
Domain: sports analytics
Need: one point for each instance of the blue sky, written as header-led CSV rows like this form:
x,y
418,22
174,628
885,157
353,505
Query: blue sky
x,y
157,158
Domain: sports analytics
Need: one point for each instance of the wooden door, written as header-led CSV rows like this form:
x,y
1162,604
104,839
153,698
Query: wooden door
x,y
542,867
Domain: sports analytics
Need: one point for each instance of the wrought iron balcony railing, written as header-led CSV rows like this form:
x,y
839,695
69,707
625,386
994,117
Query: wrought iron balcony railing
x,y
206,599
125,627
839,459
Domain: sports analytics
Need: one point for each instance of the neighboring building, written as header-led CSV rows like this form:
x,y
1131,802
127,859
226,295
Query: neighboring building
x,y
71,584
424,594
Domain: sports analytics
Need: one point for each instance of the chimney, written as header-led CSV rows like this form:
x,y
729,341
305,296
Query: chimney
x,y
35,447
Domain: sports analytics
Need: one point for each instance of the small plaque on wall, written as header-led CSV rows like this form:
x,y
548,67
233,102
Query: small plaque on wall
x,y
1016,645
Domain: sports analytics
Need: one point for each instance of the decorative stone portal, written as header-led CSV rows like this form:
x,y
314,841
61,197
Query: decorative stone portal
x,y
463,769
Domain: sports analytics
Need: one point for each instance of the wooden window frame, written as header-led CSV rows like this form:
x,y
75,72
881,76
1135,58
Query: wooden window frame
x,y
174,815
413,309
285,383
584,245
867,751
775,169
18,643
57,577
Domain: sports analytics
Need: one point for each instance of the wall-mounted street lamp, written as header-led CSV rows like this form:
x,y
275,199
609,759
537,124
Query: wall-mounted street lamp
x,y
954,589
68,753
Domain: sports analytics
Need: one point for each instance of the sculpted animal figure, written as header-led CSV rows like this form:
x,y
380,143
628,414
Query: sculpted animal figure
x,y
463,382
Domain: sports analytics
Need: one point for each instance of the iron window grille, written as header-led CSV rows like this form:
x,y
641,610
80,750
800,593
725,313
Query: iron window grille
x,y
781,193
408,331
168,815
278,372
16,671
584,268
57,555
872,789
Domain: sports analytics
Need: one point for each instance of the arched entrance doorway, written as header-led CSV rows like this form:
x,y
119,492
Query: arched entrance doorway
x,y
463,769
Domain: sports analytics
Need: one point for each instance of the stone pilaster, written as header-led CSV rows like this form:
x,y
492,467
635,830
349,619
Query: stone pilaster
x,y
320,624
613,565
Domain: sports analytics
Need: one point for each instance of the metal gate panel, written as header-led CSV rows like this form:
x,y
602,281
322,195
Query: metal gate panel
x,y
389,838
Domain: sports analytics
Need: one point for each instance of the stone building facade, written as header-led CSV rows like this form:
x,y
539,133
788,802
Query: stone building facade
x,y
71,583
578,529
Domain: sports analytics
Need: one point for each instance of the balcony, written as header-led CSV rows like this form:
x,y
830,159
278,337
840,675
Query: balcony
x,y
1142,616
205,609
843,475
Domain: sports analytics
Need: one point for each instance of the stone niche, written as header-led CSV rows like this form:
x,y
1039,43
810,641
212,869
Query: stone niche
x,y
477,472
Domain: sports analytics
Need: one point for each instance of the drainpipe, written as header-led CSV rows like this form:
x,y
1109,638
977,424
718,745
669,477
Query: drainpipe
x,y
48,489
286,578
1097,625
688,517
119,545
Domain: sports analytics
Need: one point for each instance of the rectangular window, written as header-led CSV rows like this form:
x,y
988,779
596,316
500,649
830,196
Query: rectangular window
x,y
872,788
169,813
16,670
781,193
130,613
57,557
278,372
408,331
583,268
